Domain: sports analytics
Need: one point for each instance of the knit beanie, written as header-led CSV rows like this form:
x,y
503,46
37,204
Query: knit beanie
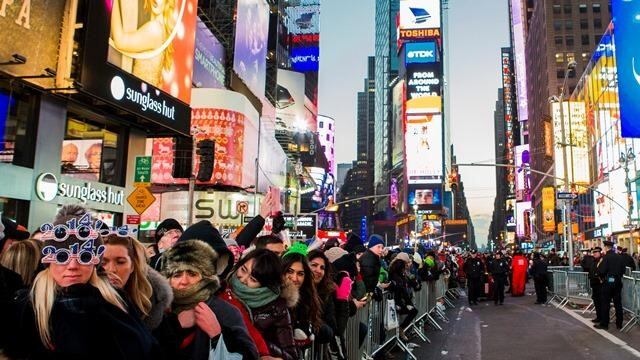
x,y
375,240
354,244
335,253
206,232
190,255
165,226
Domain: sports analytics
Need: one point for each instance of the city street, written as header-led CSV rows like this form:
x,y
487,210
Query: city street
x,y
522,330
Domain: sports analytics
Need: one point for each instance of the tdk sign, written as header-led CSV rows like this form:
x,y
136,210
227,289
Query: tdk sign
x,y
420,53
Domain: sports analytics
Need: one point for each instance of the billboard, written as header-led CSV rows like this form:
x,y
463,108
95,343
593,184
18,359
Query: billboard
x,y
397,120
290,111
31,29
426,197
420,52
517,24
81,159
509,136
626,19
510,213
305,59
575,127
250,50
418,15
134,62
303,19
523,175
548,209
523,219
423,148
423,80
209,59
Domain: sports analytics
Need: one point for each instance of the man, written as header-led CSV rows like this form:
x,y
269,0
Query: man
x,y
370,262
594,281
499,270
554,259
627,260
539,273
167,234
587,261
474,269
610,270
11,232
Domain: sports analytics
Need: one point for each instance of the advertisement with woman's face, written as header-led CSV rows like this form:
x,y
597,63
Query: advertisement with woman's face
x,y
154,41
81,159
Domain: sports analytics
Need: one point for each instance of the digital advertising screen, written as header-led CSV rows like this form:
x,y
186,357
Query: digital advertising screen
x,y
548,209
209,59
420,52
426,197
423,80
510,213
250,50
141,58
303,19
523,175
290,110
423,148
397,118
419,14
305,59
517,25
575,128
626,19
81,159
523,218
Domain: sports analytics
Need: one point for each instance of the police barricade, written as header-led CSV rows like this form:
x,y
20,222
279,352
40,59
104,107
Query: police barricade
x,y
630,300
578,288
559,287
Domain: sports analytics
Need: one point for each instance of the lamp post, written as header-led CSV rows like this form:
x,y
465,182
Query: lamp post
x,y
415,225
568,232
625,159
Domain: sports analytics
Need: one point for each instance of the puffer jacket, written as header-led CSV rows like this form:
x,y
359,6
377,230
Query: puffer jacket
x,y
274,323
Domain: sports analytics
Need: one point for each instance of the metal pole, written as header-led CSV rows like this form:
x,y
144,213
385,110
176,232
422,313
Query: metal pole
x,y
192,185
568,234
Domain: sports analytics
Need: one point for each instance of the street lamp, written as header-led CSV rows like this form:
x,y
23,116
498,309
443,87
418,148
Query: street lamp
x,y
625,159
415,224
568,232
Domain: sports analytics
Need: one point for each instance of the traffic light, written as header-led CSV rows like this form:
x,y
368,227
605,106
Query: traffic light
x,y
205,152
182,157
453,180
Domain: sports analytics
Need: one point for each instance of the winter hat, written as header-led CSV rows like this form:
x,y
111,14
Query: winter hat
x,y
354,244
11,231
331,243
346,262
206,232
403,256
165,226
297,248
335,253
375,240
190,255
417,258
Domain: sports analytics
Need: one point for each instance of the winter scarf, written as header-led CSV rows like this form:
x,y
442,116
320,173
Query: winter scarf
x,y
253,298
187,299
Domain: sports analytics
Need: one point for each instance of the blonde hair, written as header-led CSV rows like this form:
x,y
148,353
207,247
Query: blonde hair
x,y
23,257
138,287
43,295
168,21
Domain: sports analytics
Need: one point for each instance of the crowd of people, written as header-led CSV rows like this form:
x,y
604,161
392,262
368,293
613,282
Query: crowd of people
x,y
79,289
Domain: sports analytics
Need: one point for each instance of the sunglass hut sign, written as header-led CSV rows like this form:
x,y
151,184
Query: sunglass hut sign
x,y
47,187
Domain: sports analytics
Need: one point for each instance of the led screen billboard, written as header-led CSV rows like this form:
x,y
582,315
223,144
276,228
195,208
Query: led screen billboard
x,y
423,80
209,59
303,19
523,175
423,148
626,19
146,74
419,14
420,52
517,24
510,214
305,59
509,135
523,219
290,111
397,119
426,197
575,128
548,209
32,30
250,50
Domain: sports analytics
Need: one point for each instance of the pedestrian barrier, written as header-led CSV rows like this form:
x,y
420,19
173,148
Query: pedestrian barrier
x,y
569,287
630,300
430,301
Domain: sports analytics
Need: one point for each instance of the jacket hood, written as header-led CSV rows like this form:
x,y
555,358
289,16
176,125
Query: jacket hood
x,y
291,295
161,299
206,232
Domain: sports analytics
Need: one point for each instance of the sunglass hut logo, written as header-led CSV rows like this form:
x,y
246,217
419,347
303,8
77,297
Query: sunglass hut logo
x,y
120,91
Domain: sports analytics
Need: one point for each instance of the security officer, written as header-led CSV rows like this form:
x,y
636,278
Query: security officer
x,y
539,273
474,269
594,281
499,271
610,270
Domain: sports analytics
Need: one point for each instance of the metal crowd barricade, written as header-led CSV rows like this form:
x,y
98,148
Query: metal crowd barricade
x,y
578,287
559,288
630,300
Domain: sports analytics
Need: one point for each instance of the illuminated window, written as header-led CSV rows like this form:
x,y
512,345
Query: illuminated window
x,y
559,58
596,8
571,57
583,8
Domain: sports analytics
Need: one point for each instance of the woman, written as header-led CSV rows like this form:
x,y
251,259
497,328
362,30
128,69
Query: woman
x,y
71,312
305,313
326,288
198,317
126,266
254,287
23,258
401,289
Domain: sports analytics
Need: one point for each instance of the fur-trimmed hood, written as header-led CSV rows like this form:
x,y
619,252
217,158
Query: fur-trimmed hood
x,y
161,299
291,295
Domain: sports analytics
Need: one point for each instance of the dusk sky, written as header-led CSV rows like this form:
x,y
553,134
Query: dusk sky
x,y
476,35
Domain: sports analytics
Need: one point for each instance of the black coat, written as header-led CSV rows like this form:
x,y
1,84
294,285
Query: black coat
x,y
250,231
370,269
499,268
400,289
235,334
539,268
10,283
587,263
83,326
612,265
627,260
473,268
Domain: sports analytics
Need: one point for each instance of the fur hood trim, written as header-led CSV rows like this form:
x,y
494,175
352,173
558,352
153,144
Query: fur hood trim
x,y
161,299
291,295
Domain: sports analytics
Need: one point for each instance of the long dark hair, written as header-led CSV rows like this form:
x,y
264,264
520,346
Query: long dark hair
x,y
309,303
326,286
267,268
